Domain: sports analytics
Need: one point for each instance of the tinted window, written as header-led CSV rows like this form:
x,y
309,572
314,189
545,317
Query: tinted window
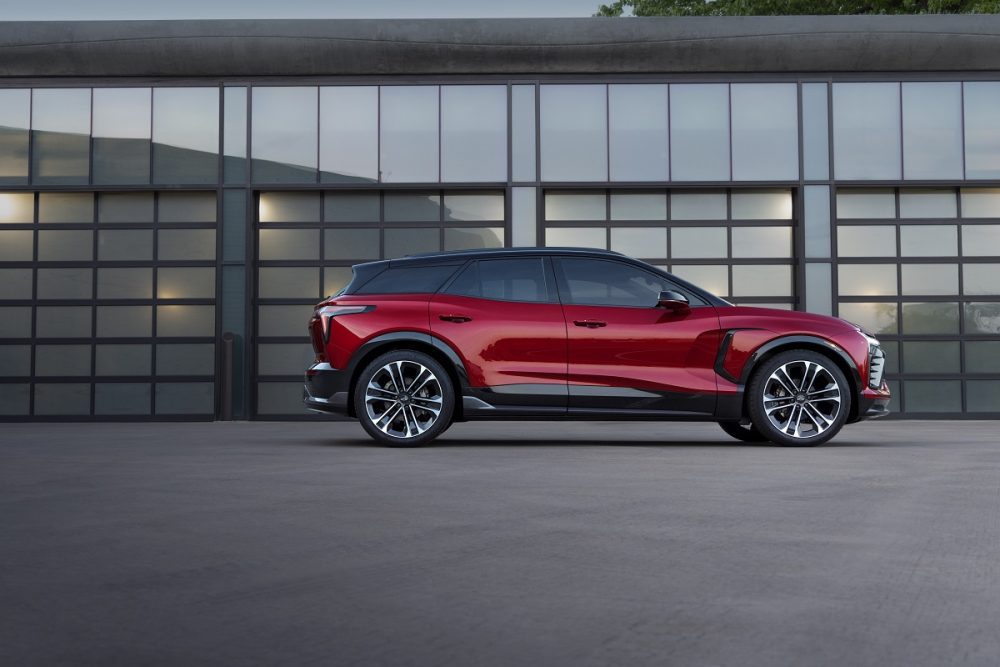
x,y
415,280
601,283
504,280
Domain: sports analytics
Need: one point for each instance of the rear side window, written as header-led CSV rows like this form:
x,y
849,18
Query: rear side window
x,y
409,280
523,279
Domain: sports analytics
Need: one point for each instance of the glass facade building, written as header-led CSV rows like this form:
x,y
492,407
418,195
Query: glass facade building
x,y
143,219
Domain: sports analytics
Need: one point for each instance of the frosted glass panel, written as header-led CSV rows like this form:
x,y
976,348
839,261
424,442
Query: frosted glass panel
x,y
982,133
930,318
762,205
866,241
574,133
765,129
186,135
932,130
17,207
638,132
577,237
648,242
574,206
699,132
815,131
348,134
629,206
698,242
867,279
409,134
473,133
762,281
284,134
762,242
981,202
980,240
928,240
866,142
981,279
713,278
523,132
874,318
863,204
698,206
930,279
928,204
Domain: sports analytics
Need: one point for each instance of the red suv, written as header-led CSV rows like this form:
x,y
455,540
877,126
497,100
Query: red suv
x,y
414,344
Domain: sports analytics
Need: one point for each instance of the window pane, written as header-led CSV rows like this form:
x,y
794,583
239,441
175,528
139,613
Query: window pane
x,y
928,240
16,245
874,318
289,207
713,278
124,321
932,130
930,318
574,133
402,242
186,244
927,204
765,129
130,207
284,358
122,132
762,205
577,237
351,207
65,245
14,399
290,243
65,207
185,283
335,278
125,245
185,359
762,281
982,134
348,134
523,217
699,132
283,320
866,142
982,318
981,279
980,202
53,360
504,280
575,206
931,357
187,207
819,288
65,283
982,356
866,241
980,240
464,238
863,204
487,207
122,398
815,132
15,284
185,321
15,361
16,322
54,322
409,134
597,282
867,279
178,398
930,279
60,127
17,207
288,283
523,132
638,132
15,119
983,395
473,133
352,244
401,207
648,242
284,131
816,226
698,206
762,242
234,140
635,206
698,242
933,395
62,399
185,135
123,360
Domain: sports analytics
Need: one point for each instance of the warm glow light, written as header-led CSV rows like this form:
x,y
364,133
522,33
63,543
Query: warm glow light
x,y
17,207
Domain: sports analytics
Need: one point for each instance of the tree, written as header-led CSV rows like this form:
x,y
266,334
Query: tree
x,y
787,7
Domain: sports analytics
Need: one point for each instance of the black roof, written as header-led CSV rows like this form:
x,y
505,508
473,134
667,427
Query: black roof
x,y
486,253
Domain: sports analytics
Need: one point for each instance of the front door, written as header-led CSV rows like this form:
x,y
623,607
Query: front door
x,y
625,353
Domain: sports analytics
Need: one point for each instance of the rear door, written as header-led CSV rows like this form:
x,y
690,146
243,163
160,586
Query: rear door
x,y
625,353
503,317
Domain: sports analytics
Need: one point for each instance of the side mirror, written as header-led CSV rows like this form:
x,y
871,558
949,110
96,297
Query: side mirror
x,y
673,301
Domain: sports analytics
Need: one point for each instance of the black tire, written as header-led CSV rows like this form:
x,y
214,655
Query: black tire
x,y
799,418
748,433
404,418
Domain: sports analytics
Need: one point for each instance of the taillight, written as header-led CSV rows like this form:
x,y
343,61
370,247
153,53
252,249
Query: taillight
x,y
327,313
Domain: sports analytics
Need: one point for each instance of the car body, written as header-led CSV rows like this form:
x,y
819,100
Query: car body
x,y
570,333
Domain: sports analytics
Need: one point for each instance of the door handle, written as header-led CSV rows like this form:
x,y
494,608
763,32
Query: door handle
x,y
590,324
455,318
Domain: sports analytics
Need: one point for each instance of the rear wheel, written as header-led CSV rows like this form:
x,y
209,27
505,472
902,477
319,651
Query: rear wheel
x,y
404,399
799,398
748,433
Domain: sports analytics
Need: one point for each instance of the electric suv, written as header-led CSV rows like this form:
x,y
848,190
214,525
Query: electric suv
x,y
412,345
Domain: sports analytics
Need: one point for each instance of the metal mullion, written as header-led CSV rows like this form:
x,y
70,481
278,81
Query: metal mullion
x,y
154,303
729,235
95,247
34,301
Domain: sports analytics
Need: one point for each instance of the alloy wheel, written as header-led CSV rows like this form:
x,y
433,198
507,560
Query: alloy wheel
x,y
403,399
802,399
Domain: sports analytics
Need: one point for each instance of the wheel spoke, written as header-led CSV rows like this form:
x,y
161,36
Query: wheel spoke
x,y
818,419
781,377
422,378
783,402
376,392
387,417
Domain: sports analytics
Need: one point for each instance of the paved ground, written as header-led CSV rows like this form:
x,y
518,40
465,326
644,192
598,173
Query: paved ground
x,y
521,544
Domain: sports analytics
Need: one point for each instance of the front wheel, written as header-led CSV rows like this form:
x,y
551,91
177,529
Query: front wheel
x,y
799,398
404,399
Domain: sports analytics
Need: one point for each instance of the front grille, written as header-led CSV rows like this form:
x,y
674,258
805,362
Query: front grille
x,y
876,366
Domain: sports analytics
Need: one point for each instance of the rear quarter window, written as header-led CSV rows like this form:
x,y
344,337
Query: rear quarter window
x,y
409,280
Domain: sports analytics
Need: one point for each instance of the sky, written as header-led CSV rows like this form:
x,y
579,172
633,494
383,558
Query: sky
x,y
78,10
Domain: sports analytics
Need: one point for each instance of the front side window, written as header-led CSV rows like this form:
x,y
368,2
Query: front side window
x,y
595,282
521,279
